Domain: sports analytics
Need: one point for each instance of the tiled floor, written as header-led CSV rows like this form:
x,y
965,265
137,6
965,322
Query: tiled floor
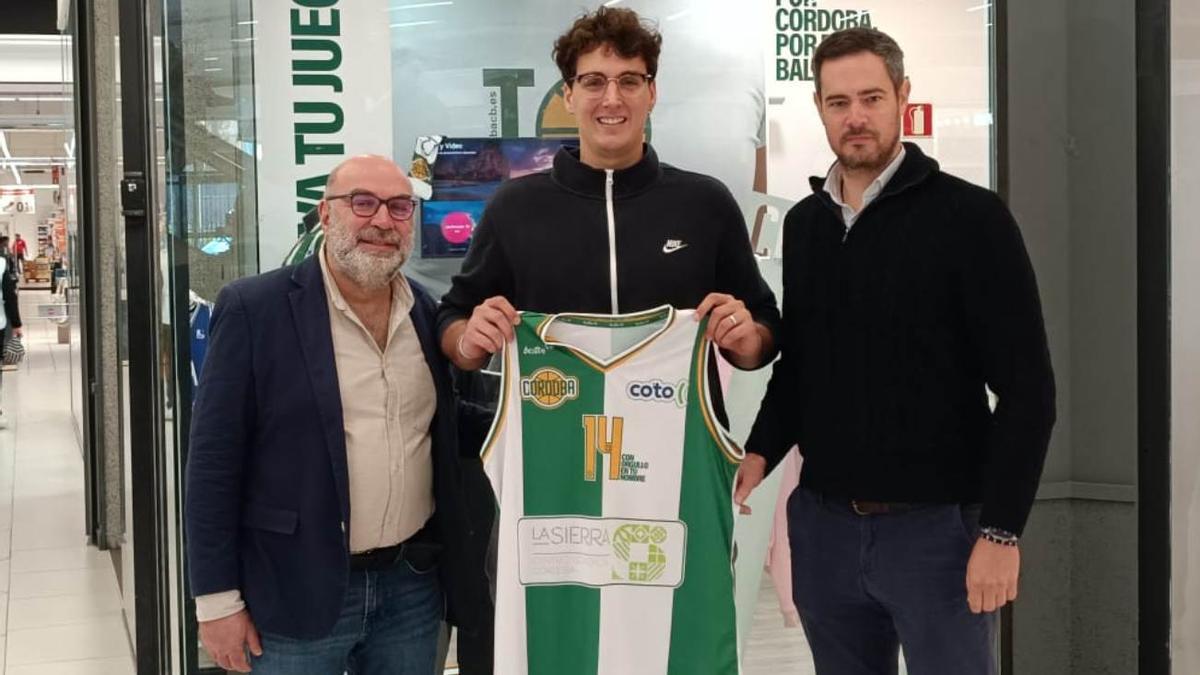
x,y
60,607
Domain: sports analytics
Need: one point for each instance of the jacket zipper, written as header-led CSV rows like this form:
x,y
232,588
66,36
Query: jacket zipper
x,y
838,210
612,239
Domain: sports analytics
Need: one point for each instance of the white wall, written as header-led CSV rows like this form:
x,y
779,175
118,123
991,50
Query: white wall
x,y
33,58
1185,338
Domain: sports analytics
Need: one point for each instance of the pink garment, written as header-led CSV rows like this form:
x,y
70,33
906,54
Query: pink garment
x,y
724,372
779,554
778,562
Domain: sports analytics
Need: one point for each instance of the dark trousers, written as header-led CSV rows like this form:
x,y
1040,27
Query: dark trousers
x,y
867,585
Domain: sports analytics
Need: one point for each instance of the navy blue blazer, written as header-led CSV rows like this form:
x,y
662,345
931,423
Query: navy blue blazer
x,y
267,501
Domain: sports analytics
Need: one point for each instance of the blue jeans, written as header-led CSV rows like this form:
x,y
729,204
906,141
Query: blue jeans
x,y
389,625
866,585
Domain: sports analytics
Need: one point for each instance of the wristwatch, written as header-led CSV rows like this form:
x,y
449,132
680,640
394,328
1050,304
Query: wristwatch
x,y
998,536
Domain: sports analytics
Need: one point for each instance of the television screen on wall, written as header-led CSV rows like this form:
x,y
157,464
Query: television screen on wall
x,y
462,174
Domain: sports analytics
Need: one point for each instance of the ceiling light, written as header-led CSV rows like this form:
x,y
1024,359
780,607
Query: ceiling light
x,y
410,24
420,5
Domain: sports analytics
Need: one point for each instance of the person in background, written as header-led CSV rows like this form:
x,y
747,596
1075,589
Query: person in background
x,y
908,294
19,248
10,310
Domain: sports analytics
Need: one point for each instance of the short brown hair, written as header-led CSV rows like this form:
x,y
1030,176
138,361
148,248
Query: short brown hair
x,y
620,28
858,40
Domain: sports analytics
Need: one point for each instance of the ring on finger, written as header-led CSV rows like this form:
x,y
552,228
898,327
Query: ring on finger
x,y
732,319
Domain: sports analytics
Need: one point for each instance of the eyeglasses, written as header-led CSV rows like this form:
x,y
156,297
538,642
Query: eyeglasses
x,y
366,205
595,84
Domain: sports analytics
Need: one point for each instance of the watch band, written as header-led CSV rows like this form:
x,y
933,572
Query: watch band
x,y
999,536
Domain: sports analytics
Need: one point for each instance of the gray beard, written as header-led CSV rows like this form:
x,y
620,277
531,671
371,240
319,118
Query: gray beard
x,y
367,270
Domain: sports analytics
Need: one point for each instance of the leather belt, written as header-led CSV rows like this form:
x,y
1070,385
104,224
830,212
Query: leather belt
x,y
417,551
863,507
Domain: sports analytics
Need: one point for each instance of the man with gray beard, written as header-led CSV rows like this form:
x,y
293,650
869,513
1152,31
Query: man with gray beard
x,y
325,503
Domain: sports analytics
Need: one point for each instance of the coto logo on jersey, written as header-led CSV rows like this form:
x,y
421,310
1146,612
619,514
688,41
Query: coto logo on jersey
x,y
548,388
657,390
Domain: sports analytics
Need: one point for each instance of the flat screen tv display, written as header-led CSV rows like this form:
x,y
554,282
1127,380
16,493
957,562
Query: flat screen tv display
x,y
463,174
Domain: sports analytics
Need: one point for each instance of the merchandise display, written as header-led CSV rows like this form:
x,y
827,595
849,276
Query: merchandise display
x,y
199,315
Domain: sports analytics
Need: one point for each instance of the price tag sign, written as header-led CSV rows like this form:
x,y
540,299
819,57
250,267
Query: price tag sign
x,y
17,200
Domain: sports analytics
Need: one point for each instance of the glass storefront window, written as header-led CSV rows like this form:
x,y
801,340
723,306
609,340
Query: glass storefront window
x,y
262,99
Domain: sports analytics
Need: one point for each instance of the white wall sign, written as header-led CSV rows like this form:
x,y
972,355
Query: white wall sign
x,y
15,200
322,74
946,57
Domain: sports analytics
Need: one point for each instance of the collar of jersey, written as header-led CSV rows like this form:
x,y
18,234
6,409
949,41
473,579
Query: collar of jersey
x,y
615,360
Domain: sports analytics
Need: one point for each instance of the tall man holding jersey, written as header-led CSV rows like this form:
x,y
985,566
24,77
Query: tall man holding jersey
x,y
609,229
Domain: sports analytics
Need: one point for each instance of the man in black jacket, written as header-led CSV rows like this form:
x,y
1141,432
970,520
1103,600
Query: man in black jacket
x,y
908,294
609,229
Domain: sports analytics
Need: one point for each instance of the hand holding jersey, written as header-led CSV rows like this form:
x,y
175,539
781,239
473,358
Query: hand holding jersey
x,y
469,342
590,236
732,328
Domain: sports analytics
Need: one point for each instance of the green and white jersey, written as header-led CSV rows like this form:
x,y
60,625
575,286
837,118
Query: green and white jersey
x,y
615,486
308,244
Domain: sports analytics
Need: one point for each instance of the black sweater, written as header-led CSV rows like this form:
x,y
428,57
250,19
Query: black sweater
x,y
891,332
12,308
542,243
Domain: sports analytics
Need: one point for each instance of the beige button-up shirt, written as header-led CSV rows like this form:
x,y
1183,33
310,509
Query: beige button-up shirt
x,y
388,402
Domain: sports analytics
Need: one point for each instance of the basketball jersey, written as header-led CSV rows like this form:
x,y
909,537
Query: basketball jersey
x,y
614,482
199,316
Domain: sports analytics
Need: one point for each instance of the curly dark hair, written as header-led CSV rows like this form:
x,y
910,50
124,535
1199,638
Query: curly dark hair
x,y
620,28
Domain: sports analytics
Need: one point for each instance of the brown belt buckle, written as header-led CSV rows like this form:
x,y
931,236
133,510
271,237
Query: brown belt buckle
x,y
864,508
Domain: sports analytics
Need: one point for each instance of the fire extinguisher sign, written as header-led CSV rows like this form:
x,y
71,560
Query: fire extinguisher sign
x,y
918,120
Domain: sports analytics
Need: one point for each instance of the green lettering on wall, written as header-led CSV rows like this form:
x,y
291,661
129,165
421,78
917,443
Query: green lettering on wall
x,y
314,25
508,80
315,65
309,191
334,110
304,149
317,80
